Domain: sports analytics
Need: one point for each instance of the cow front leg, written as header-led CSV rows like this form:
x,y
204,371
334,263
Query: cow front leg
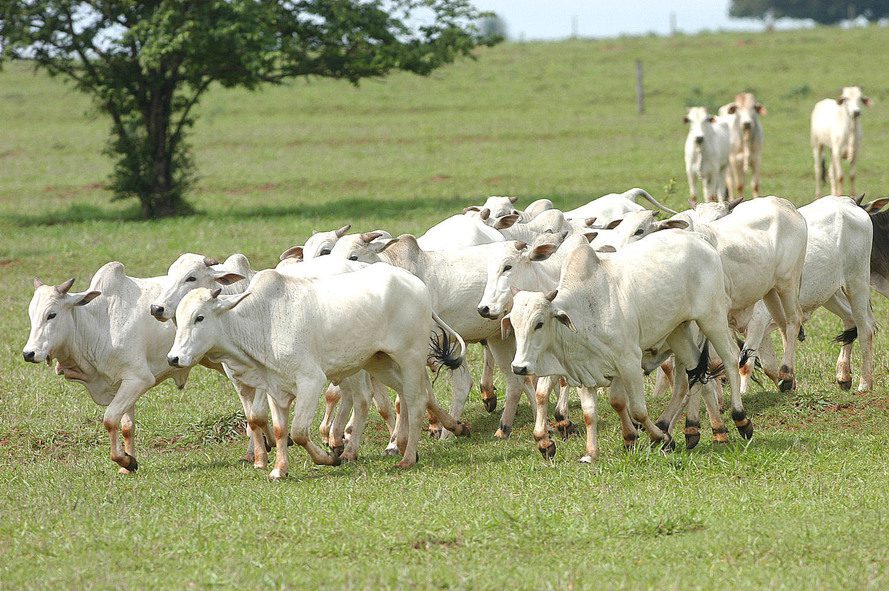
x,y
125,399
128,431
486,386
383,404
591,420
711,400
617,397
563,424
332,398
545,445
305,402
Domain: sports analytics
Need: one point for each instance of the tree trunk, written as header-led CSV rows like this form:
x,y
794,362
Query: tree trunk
x,y
163,197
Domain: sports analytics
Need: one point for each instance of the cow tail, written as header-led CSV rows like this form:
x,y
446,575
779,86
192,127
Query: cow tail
x,y
449,348
699,372
637,192
823,169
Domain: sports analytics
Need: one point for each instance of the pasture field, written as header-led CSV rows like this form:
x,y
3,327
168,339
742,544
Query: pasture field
x,y
804,505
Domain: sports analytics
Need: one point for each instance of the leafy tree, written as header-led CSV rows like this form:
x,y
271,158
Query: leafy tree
x,y
826,12
147,63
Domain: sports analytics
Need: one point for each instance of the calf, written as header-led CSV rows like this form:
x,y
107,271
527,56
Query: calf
x,y
747,137
707,149
836,125
103,338
285,335
600,329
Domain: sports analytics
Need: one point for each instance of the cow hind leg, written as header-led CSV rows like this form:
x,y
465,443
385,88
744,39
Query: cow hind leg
x,y
563,424
486,386
125,399
590,419
717,332
331,400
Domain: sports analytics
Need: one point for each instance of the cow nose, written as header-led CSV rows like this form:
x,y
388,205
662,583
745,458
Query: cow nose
x,y
173,361
484,311
157,311
29,356
699,140
856,113
747,125
520,370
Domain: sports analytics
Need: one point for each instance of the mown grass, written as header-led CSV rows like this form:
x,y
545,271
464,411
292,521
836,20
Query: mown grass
x,y
802,506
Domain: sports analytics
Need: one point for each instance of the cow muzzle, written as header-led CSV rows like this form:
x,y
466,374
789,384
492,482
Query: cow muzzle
x,y
699,140
173,361
747,125
485,312
30,356
520,370
157,311
856,114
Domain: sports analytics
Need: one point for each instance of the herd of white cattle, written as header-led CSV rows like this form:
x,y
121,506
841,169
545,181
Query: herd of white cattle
x,y
723,150
595,297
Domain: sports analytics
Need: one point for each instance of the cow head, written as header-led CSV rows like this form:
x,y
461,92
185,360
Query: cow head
x,y
321,243
535,318
52,322
634,226
364,247
746,109
498,206
189,272
851,98
698,119
197,324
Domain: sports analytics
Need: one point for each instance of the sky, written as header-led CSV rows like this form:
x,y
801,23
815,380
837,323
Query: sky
x,y
552,19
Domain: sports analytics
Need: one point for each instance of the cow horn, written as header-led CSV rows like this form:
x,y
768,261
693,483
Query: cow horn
x,y
215,293
519,245
342,231
513,199
552,295
64,287
589,222
210,261
369,237
37,283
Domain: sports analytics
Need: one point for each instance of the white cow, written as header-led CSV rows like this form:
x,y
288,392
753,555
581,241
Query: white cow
x,y
608,208
836,275
747,138
836,125
320,243
289,336
468,229
501,206
104,339
707,148
615,314
456,282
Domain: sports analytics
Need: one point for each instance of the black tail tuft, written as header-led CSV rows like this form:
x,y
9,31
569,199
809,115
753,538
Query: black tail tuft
x,y
802,334
823,170
847,337
699,373
444,351
715,371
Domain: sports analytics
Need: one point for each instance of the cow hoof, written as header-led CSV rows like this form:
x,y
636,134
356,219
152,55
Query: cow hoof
x,y
435,433
248,458
290,442
668,445
587,459
276,475
692,440
503,432
133,465
338,450
260,465
463,429
745,429
335,460
490,403
548,452
349,456
566,429
786,385
845,385
391,450
268,447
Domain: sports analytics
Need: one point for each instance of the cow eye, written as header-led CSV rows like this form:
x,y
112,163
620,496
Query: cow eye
x,y
198,319
638,232
51,316
539,325
507,268
324,252
191,279
353,257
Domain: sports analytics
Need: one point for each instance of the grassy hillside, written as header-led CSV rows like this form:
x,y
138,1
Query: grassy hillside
x,y
803,506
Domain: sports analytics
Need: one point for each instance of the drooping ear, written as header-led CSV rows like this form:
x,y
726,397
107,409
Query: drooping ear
x,y
671,225
551,295
294,252
342,231
506,221
876,205
228,302
542,252
63,288
606,249
208,261
227,277
485,214
368,237
760,109
733,108
37,283
505,327
686,119
564,319
733,204
513,199
81,299
614,224
841,99
589,222
867,101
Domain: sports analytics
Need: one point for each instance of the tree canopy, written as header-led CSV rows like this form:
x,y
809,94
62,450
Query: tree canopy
x,y
826,12
147,63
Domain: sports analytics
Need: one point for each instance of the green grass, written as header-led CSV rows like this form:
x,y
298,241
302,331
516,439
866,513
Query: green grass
x,y
803,506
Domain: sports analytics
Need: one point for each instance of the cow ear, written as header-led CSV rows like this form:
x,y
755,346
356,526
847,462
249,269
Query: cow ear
x,y
761,109
485,214
63,288
867,101
505,327
230,301
876,205
81,299
733,108
564,319
506,221
294,252
542,252
513,199
686,119
471,208
841,99
589,222
606,249
672,224
227,278
342,231
614,224
733,204
37,283
711,119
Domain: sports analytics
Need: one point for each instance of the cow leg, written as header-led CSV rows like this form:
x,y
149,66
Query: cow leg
x,y
617,397
486,386
279,404
304,404
836,180
246,396
125,399
360,403
449,424
785,309
632,382
128,431
663,378
693,417
545,445
503,352
461,384
331,399
258,423
692,186
754,169
415,390
347,395
757,330
711,401
383,404
564,425
591,420
717,332
393,448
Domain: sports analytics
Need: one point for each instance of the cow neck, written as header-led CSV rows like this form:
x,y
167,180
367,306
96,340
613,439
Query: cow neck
x,y
84,347
413,265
